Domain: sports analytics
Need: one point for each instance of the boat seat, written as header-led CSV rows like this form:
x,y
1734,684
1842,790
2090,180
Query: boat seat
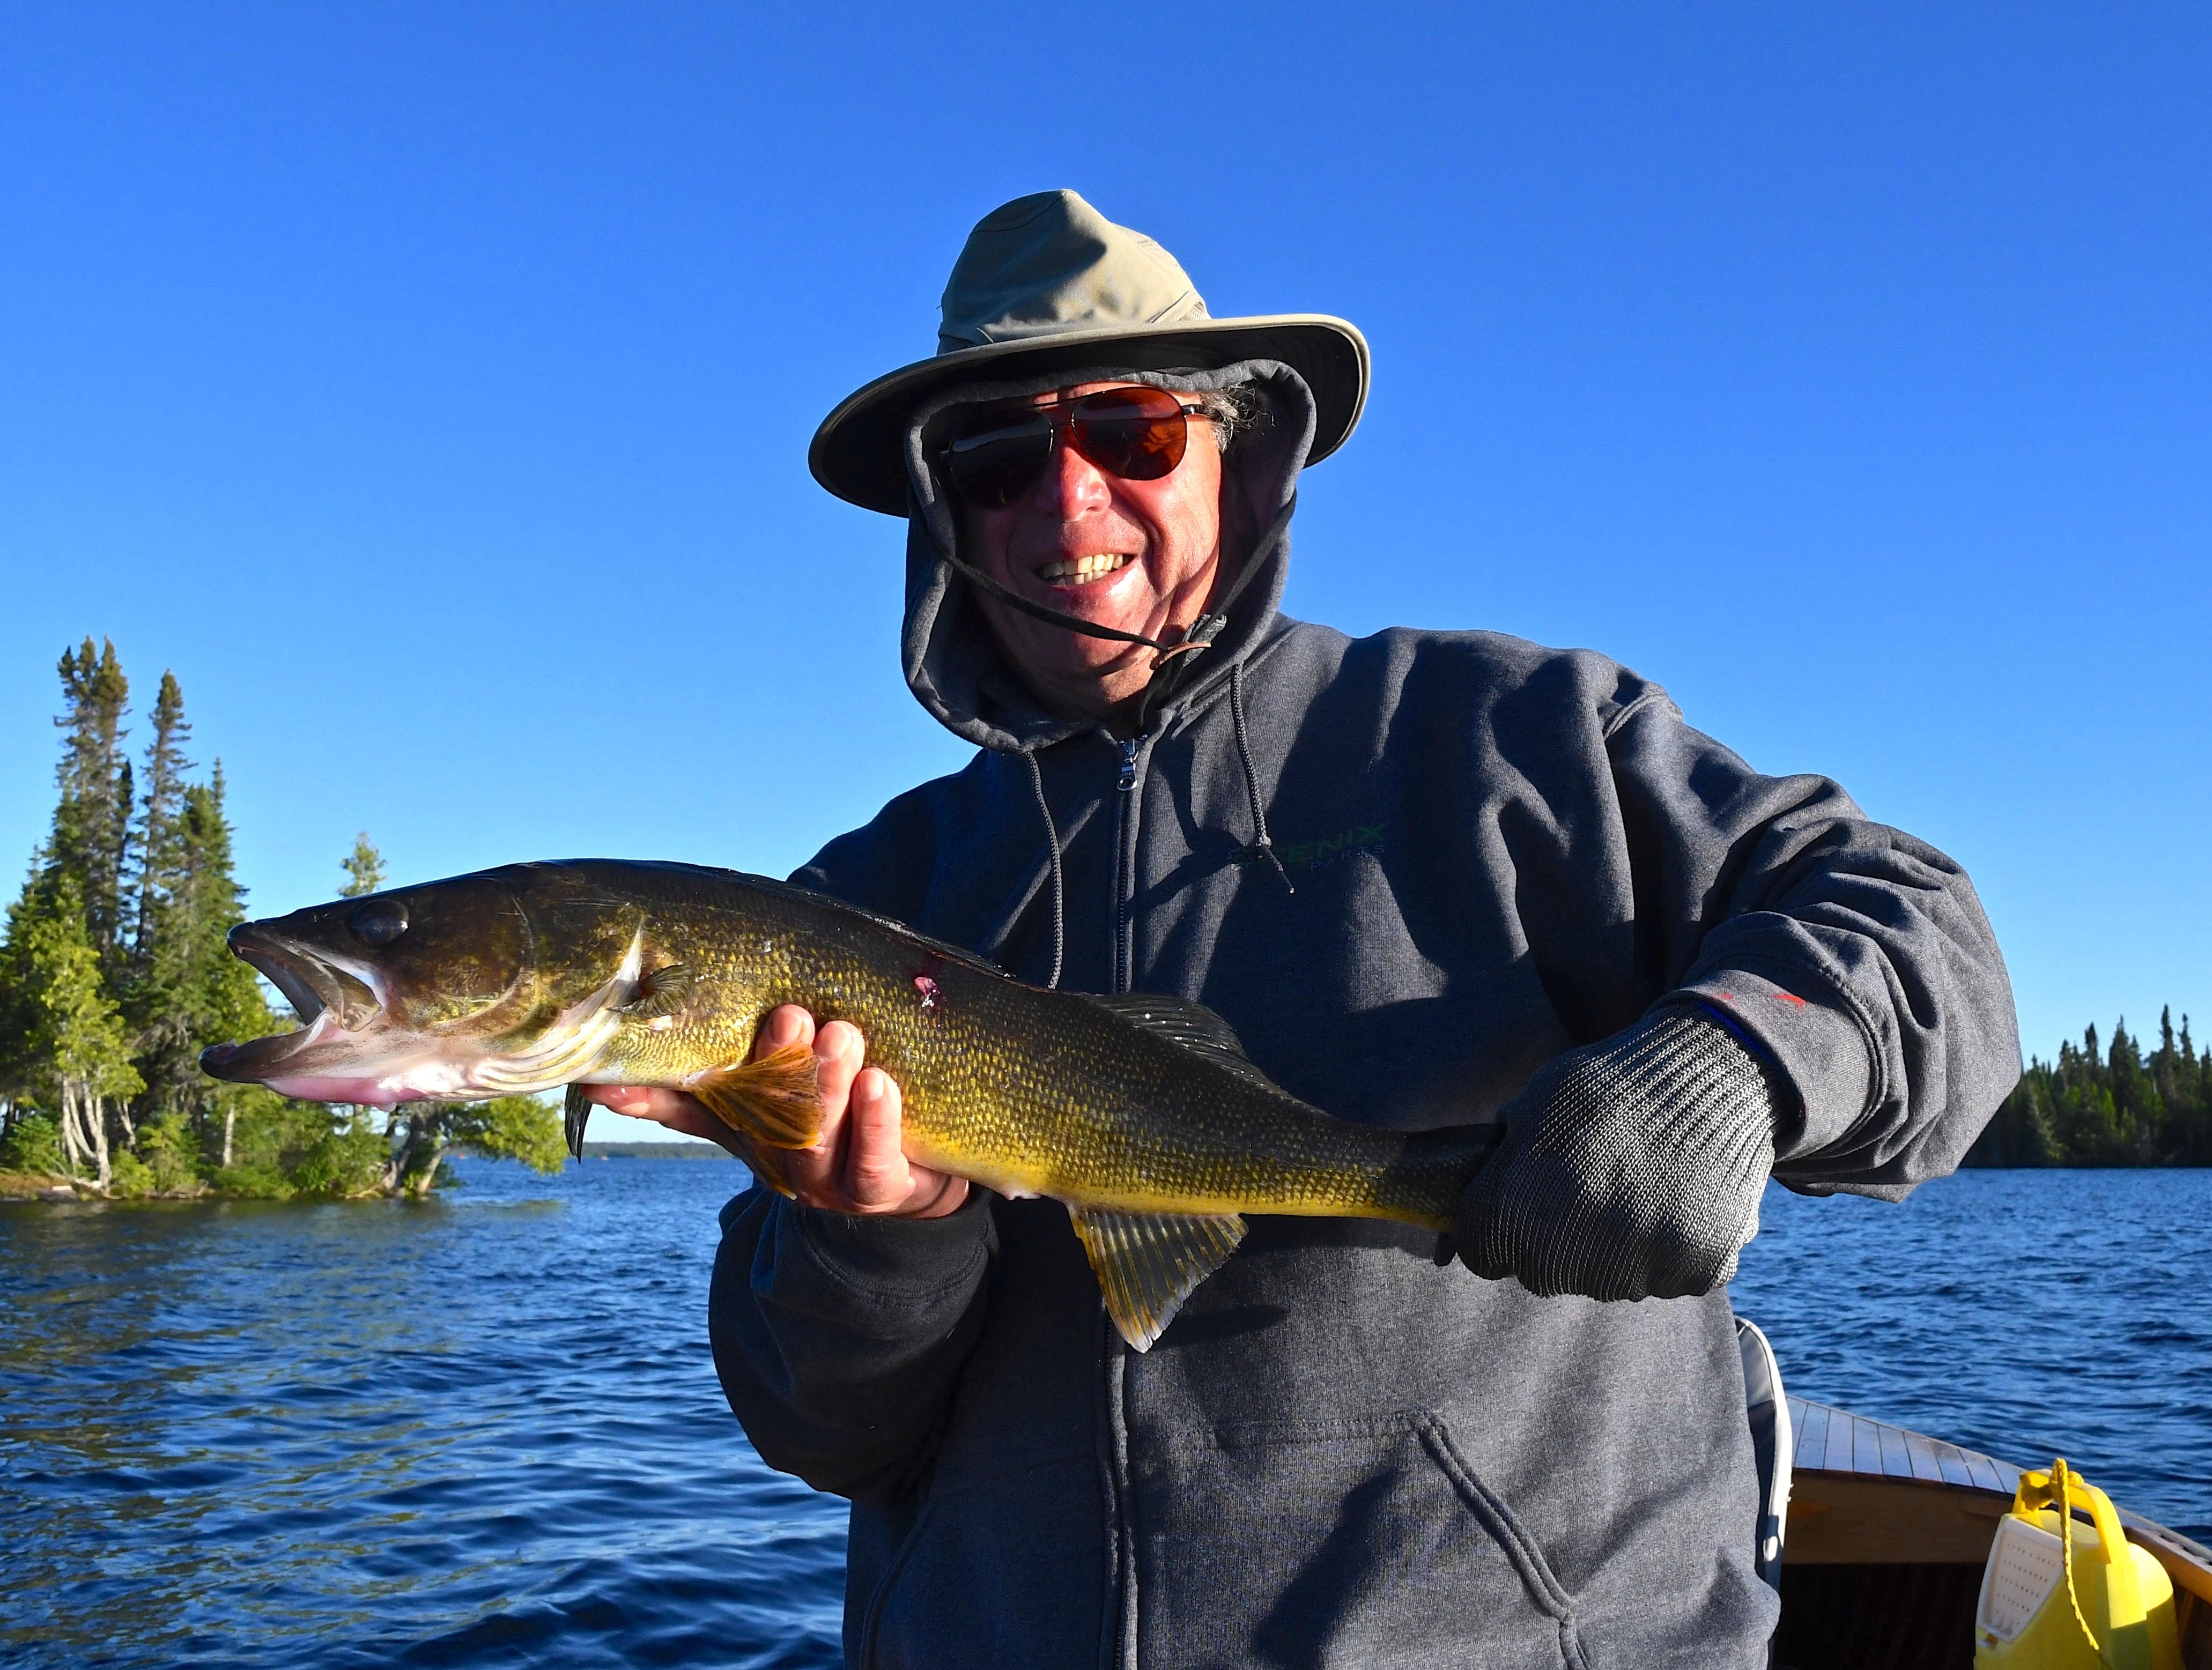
x,y
1772,1442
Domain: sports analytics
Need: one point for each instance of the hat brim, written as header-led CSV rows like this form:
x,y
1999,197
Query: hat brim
x,y
860,451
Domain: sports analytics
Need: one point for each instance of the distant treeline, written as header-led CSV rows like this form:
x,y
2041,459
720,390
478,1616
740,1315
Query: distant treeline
x,y
655,1150
114,975
2112,1106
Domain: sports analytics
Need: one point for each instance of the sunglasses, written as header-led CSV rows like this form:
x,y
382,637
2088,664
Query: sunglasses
x,y
999,451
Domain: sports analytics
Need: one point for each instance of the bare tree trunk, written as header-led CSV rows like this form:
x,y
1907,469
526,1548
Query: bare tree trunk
x,y
96,1118
84,1132
72,1155
399,1138
229,1124
418,1149
419,1185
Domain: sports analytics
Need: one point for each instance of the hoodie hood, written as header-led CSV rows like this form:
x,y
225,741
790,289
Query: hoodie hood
x,y
953,660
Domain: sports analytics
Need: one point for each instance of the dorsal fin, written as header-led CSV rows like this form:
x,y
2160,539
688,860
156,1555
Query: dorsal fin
x,y
1192,1025
1148,1263
942,947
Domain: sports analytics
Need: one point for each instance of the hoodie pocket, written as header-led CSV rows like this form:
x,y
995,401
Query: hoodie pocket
x,y
1365,1543
1007,1572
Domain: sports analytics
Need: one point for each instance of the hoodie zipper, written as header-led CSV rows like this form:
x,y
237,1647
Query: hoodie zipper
x,y
1125,862
1121,1648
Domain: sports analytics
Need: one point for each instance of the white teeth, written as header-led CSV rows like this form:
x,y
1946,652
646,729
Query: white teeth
x,y
1095,566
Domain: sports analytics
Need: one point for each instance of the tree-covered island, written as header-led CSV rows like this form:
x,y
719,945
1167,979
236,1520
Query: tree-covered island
x,y
114,973
2110,1106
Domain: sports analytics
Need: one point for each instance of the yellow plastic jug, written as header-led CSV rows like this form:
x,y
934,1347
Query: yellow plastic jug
x,y
2087,1599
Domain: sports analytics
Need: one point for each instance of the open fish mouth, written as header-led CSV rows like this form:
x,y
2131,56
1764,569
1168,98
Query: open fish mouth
x,y
333,1006
312,982
351,1046
293,975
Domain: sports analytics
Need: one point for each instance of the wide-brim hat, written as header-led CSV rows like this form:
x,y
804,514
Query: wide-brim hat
x,y
1047,283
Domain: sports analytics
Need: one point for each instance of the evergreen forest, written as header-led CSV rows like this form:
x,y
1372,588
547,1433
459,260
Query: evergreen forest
x,y
114,973
2109,1106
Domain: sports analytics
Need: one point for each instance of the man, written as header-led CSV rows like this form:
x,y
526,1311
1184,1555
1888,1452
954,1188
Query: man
x,y
1431,878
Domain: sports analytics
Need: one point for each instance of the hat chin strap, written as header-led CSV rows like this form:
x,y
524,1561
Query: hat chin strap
x,y
1199,635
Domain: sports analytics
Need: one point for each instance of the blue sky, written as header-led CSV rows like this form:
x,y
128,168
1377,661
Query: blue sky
x,y
429,387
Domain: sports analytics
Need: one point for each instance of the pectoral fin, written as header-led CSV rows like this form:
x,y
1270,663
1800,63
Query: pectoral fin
x,y
1148,1263
661,991
773,1100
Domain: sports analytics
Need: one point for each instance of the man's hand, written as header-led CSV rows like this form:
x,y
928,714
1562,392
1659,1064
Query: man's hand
x,y
857,1166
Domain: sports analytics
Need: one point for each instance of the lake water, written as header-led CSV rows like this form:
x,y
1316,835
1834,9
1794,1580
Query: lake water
x,y
485,1431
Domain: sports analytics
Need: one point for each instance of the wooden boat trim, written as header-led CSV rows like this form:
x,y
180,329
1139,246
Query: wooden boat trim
x,y
1865,1492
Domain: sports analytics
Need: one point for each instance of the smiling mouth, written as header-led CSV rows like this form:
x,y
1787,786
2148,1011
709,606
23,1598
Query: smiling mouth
x,y
1082,570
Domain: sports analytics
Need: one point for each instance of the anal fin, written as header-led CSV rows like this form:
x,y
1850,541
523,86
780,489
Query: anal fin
x,y
1148,1263
773,1100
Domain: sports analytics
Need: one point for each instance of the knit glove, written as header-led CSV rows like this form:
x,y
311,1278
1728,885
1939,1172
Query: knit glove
x,y
1630,1169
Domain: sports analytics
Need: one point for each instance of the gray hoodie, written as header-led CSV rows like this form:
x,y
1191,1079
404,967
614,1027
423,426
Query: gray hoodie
x,y
1340,1454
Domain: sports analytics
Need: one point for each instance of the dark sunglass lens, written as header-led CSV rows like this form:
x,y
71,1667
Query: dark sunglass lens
x,y
995,459
1137,434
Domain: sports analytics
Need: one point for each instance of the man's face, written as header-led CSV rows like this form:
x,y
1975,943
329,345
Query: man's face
x,y
1139,556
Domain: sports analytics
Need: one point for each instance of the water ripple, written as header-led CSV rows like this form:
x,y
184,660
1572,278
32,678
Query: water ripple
x,y
2028,1314
485,1431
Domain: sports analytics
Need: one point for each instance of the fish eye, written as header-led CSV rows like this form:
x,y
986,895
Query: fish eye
x,y
379,923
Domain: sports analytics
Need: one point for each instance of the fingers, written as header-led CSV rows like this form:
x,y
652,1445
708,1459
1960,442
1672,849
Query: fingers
x,y
857,1163
876,1178
672,1109
786,1024
839,1052
801,1172
815,1174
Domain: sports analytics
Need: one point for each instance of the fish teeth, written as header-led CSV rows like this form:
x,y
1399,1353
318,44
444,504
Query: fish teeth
x,y
1092,565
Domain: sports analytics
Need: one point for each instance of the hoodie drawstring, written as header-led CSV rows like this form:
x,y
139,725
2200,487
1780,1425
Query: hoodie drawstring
x,y
1261,844
1052,846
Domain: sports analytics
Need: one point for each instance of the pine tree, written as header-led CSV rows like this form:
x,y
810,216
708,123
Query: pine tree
x,y
91,838
2108,1106
227,1001
77,877
160,811
2188,1090
160,998
364,874
70,1053
364,868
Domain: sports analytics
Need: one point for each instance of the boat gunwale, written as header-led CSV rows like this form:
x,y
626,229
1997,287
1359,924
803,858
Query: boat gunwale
x,y
2187,1562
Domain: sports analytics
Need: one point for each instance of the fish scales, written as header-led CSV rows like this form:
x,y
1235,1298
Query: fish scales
x,y
596,971
1188,1133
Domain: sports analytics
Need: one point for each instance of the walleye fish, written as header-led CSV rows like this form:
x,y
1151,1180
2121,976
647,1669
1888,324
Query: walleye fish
x,y
1140,1114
